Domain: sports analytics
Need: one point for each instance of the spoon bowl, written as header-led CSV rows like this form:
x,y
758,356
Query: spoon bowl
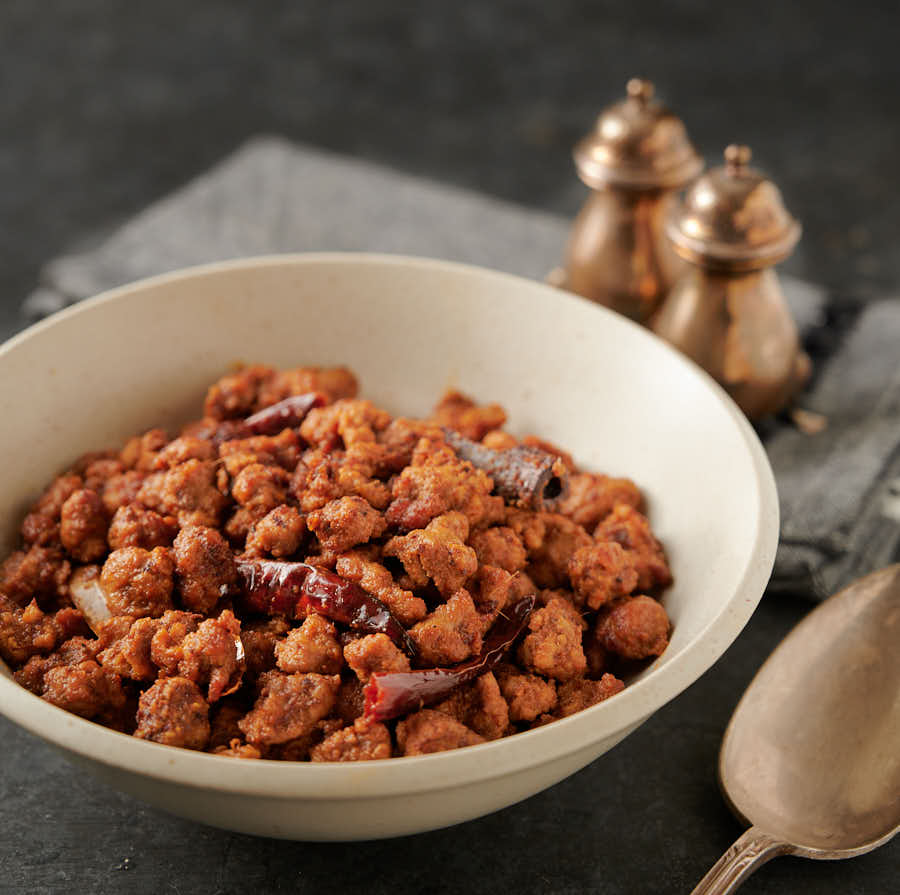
x,y
811,757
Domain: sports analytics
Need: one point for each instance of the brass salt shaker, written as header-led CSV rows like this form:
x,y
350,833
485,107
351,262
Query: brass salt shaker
x,y
635,159
727,311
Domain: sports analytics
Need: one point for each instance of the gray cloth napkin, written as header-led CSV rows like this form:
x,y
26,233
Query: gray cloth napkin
x,y
840,514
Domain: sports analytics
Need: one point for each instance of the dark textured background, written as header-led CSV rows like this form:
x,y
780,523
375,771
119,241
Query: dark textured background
x,y
106,106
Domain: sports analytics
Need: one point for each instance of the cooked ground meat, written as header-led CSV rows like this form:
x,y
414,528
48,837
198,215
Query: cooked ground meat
x,y
344,523
41,573
375,579
437,553
173,712
362,741
430,731
631,529
459,412
138,582
634,629
279,533
573,696
259,639
214,639
133,525
204,567
83,525
451,633
41,525
289,705
592,497
499,546
480,706
374,653
84,689
314,646
527,695
601,572
553,645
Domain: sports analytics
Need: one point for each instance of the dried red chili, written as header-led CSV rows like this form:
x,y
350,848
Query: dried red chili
x,y
283,588
286,414
390,694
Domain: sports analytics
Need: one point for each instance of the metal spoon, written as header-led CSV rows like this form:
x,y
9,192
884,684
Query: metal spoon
x,y
811,757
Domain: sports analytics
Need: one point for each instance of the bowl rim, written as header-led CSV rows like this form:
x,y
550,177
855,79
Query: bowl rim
x,y
443,770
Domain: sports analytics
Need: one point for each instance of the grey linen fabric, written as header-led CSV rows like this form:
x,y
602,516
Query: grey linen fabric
x,y
840,516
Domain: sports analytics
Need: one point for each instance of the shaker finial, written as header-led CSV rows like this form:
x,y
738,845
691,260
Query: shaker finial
x,y
737,157
640,89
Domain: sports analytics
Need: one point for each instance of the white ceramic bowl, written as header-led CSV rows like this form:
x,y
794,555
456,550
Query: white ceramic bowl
x,y
602,387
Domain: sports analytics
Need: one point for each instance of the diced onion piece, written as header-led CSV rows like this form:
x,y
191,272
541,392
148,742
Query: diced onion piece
x,y
88,595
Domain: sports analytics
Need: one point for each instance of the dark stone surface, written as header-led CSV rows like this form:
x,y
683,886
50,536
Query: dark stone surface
x,y
106,106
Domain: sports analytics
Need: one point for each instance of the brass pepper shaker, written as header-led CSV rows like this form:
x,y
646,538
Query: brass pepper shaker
x,y
635,159
727,311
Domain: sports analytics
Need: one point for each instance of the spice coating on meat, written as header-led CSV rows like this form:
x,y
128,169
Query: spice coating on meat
x,y
553,645
634,629
437,482
138,582
204,567
592,498
376,580
133,525
345,422
41,525
84,689
480,706
437,553
83,526
313,646
362,741
557,543
499,546
601,572
187,491
279,533
298,576
459,412
41,572
631,529
430,731
289,706
527,695
374,652
344,523
259,639
577,695
209,653
173,712
451,633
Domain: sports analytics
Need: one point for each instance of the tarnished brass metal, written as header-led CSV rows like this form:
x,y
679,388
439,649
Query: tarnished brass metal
x,y
810,758
636,157
727,311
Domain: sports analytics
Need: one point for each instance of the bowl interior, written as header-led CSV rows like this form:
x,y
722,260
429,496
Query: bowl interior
x,y
594,383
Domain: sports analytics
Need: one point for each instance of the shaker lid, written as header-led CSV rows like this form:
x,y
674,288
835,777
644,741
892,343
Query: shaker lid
x,y
637,143
733,218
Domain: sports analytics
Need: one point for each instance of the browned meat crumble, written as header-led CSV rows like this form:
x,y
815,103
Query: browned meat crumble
x,y
127,601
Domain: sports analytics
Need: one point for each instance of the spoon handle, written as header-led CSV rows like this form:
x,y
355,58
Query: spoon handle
x,y
750,851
